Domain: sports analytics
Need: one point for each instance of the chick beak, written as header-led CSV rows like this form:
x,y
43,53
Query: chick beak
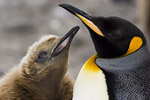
x,y
65,41
84,17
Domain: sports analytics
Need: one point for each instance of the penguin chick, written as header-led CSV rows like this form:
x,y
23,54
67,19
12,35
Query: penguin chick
x,y
121,69
41,74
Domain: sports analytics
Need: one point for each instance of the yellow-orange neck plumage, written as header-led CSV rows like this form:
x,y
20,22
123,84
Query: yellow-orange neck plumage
x,y
90,83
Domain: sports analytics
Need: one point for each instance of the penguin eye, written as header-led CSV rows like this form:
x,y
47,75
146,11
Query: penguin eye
x,y
42,56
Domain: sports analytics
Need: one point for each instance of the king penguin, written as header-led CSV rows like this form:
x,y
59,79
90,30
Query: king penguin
x,y
121,68
42,73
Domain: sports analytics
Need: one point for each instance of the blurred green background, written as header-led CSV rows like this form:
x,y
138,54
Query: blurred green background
x,y
22,22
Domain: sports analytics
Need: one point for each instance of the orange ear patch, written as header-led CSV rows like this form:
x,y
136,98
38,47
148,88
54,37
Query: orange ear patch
x,y
135,44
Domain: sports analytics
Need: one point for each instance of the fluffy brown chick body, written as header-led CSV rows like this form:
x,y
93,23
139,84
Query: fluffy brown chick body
x,y
35,79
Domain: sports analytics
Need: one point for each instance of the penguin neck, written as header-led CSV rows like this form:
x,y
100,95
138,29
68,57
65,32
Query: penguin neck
x,y
128,76
90,83
124,62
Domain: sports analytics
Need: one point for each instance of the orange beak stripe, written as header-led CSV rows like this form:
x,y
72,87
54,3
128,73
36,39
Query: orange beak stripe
x,y
90,24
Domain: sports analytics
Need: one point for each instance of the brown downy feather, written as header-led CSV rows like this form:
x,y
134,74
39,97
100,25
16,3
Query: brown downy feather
x,y
32,80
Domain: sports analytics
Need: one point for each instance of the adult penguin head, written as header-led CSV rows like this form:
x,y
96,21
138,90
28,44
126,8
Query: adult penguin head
x,y
112,36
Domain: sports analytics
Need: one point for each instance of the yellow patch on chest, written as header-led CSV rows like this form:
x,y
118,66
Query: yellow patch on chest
x,y
90,83
91,66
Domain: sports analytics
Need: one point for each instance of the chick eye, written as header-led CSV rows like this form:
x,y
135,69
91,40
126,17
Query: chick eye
x,y
42,56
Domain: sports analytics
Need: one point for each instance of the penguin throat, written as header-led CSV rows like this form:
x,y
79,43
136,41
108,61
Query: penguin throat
x,y
90,83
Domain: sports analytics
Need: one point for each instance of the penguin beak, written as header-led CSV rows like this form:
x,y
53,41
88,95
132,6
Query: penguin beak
x,y
65,41
84,17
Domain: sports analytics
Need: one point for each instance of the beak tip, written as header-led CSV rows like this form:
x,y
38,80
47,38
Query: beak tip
x,y
75,29
63,4
68,7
